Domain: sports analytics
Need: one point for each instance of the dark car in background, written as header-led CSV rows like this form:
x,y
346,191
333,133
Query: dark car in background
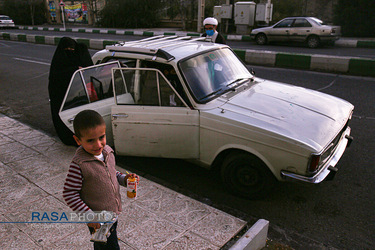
x,y
309,30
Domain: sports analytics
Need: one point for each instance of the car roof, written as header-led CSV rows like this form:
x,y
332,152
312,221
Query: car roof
x,y
167,47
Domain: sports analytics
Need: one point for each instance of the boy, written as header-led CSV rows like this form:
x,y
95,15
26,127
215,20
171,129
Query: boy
x,y
92,183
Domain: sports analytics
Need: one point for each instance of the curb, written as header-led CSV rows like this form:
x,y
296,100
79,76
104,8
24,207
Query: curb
x,y
333,64
341,42
255,238
323,63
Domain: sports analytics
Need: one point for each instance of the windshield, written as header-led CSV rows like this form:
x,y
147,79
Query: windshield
x,y
211,74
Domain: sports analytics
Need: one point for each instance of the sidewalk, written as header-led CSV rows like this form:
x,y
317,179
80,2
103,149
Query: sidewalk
x,y
33,167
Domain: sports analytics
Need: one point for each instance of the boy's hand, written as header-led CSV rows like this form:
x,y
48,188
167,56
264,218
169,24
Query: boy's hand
x,y
94,225
132,175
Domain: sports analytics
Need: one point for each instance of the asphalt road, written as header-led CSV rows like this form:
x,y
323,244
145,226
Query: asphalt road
x,y
296,48
336,214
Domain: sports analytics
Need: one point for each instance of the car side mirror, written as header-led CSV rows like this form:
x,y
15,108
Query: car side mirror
x,y
252,71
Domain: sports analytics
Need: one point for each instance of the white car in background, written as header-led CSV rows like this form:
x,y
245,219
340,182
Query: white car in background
x,y
6,22
309,30
183,97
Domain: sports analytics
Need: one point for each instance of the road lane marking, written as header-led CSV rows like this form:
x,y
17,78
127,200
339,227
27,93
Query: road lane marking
x,y
31,61
5,45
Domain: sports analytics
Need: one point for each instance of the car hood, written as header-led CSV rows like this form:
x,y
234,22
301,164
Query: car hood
x,y
307,116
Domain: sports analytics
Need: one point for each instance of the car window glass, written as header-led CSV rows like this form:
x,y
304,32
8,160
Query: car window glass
x,y
317,21
98,82
208,75
124,62
170,73
77,94
90,85
285,24
301,23
144,87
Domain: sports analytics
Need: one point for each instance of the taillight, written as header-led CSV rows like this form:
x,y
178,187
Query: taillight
x,y
314,163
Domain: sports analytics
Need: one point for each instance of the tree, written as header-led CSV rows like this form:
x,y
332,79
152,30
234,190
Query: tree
x,y
26,12
356,18
130,13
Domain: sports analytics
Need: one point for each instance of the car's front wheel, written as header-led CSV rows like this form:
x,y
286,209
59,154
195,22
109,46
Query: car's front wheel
x,y
313,41
246,175
261,39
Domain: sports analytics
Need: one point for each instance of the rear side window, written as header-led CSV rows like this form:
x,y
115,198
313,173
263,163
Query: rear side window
x,y
144,88
77,95
301,23
90,85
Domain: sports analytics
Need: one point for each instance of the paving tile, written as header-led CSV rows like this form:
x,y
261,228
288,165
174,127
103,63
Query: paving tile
x,y
63,156
78,239
125,246
131,217
11,184
13,238
14,152
6,122
190,241
218,227
153,234
174,207
43,143
53,185
21,132
29,193
37,168
5,139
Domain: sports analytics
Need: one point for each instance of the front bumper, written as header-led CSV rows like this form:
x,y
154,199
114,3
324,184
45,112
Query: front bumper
x,y
329,167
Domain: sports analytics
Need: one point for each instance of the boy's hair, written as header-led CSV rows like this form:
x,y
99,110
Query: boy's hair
x,y
86,119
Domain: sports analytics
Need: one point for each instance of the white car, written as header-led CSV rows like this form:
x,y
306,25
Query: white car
x,y
310,30
6,22
178,97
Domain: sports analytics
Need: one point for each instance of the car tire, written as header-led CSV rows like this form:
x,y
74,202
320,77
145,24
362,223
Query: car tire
x,y
313,41
246,175
261,39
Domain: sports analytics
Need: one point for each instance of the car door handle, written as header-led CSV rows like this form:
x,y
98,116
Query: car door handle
x,y
115,116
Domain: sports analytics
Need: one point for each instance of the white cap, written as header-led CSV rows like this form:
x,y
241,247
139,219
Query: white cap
x,y
210,21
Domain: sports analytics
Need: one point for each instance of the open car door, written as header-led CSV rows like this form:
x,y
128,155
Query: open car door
x,y
90,88
150,118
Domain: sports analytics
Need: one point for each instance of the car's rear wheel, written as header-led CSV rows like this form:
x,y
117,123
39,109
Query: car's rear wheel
x,y
246,175
313,41
261,39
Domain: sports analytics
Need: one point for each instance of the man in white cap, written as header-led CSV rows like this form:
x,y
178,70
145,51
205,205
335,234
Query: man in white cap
x,y
210,25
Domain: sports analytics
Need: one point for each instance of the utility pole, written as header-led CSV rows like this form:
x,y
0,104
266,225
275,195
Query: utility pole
x,y
62,4
268,18
201,4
